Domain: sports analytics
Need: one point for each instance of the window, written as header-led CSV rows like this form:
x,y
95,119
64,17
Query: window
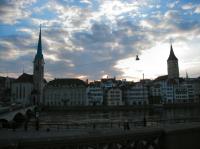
x,y
20,91
23,91
17,92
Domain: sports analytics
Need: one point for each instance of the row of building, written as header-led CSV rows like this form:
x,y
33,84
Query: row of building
x,y
108,91
30,89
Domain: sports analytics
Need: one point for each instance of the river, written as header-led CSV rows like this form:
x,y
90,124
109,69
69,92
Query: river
x,y
88,119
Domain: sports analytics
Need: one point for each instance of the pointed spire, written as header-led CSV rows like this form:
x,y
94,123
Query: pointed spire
x,y
39,54
187,75
39,49
172,55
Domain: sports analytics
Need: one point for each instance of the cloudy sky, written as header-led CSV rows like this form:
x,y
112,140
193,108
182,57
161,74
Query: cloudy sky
x,y
95,38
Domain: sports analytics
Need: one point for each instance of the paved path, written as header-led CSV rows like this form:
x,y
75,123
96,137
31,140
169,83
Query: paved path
x,y
9,136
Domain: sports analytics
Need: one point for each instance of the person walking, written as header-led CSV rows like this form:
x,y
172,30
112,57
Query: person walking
x,y
145,122
26,125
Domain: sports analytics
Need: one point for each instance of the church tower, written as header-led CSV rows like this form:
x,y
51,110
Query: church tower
x,y
172,65
38,72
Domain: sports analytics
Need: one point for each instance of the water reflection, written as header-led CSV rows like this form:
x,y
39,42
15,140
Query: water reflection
x,y
138,115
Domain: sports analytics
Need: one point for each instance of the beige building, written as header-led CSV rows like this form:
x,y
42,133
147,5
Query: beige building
x,y
65,92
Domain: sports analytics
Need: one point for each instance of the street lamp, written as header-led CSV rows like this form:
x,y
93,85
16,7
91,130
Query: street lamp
x,y
137,58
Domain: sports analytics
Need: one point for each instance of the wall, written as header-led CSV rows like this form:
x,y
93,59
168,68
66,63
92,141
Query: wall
x,y
183,137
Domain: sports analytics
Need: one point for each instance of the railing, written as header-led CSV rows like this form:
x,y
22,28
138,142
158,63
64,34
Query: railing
x,y
183,136
109,124
143,139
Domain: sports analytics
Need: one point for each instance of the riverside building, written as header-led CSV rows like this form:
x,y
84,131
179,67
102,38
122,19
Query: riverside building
x,y
65,92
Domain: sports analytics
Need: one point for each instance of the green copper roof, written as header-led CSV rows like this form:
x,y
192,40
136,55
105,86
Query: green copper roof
x,y
39,54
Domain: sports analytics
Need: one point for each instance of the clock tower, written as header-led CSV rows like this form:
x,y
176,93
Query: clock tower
x,y
38,72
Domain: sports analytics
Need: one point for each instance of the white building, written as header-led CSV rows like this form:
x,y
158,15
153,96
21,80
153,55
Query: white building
x,y
21,89
176,90
65,92
137,94
193,85
94,94
107,83
114,97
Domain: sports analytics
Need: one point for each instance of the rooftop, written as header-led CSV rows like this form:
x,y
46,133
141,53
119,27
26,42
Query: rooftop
x,y
66,81
25,78
172,55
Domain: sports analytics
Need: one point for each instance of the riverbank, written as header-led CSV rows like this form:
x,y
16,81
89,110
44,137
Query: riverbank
x,y
121,108
181,136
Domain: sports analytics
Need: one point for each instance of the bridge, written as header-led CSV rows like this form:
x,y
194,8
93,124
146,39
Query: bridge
x,y
12,114
180,136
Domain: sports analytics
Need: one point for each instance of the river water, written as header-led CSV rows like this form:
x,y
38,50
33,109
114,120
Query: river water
x,y
116,118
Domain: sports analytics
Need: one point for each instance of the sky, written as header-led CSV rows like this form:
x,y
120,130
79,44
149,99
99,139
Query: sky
x,y
91,39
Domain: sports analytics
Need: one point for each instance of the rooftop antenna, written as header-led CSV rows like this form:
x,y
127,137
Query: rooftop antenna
x,y
23,68
170,41
7,72
186,75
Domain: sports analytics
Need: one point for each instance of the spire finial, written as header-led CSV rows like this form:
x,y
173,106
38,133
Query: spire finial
x,y
172,55
23,68
39,50
39,54
170,41
40,31
7,72
187,75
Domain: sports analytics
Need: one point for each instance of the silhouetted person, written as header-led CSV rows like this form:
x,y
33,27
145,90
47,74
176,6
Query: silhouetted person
x,y
13,125
47,129
145,122
37,124
94,125
26,125
126,125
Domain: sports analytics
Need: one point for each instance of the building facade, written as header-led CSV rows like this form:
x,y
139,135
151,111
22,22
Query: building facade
x,y
94,94
114,97
181,90
65,92
137,94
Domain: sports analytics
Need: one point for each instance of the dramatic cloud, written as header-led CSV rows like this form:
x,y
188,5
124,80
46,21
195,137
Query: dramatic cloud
x,y
91,39
187,6
12,11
